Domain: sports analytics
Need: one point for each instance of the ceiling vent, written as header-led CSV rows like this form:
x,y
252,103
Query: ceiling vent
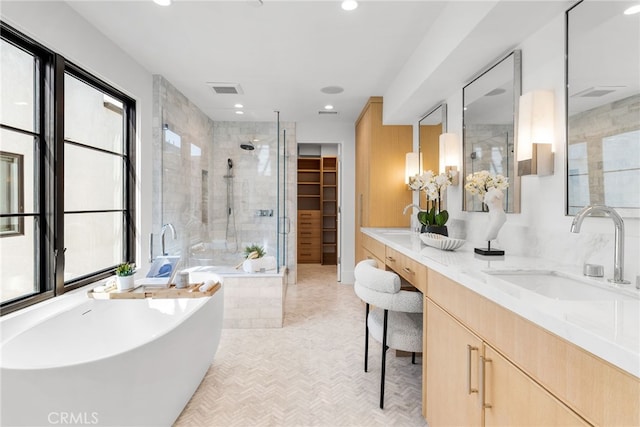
x,y
226,88
596,92
323,112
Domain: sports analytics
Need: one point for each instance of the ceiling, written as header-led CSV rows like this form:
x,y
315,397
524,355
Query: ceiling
x,y
281,53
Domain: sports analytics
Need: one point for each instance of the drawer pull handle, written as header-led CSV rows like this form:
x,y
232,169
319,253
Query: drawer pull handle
x,y
483,381
470,349
390,258
408,270
305,223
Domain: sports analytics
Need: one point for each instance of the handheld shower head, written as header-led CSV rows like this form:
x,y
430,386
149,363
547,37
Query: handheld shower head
x,y
247,146
229,163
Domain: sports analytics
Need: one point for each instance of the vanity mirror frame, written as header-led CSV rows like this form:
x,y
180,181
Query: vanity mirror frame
x,y
432,115
512,197
601,109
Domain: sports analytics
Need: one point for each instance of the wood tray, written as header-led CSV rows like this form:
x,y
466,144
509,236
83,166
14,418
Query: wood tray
x,y
142,292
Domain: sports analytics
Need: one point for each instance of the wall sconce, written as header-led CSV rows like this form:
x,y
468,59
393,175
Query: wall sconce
x,y
412,166
536,133
450,155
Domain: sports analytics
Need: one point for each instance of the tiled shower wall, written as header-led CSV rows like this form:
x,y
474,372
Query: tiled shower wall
x,y
182,152
218,210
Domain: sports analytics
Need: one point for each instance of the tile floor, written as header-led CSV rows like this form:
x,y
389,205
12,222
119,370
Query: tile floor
x,y
310,372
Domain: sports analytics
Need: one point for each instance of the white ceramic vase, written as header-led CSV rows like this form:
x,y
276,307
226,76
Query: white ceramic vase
x,y
124,283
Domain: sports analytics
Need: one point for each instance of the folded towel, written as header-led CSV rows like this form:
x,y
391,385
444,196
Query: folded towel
x,y
256,265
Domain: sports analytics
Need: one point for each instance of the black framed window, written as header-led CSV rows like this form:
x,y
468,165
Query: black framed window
x,y
66,174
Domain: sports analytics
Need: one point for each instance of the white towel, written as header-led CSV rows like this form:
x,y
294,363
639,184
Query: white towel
x,y
255,265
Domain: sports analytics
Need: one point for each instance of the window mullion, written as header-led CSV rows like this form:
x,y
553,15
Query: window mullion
x,y
57,203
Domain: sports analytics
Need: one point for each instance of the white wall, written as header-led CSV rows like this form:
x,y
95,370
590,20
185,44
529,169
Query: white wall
x,y
61,29
542,228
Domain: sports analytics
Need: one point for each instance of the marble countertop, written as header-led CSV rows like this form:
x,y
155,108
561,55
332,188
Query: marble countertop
x,y
610,329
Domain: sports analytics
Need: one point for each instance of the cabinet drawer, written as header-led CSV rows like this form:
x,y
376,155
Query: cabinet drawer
x,y
311,255
304,215
372,245
410,270
309,223
369,255
309,234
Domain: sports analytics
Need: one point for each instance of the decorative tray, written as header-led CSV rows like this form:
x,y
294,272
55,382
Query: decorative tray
x,y
141,292
441,242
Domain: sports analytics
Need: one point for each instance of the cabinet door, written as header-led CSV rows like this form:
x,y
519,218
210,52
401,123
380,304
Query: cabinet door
x,y
513,399
451,397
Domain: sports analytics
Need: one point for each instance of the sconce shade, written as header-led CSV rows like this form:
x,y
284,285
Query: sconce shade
x,y
535,121
413,164
536,128
449,152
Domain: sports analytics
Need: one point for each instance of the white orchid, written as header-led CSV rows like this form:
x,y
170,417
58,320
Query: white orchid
x,y
478,183
432,185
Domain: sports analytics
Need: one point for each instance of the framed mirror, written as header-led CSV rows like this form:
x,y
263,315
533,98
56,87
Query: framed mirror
x,y
603,107
489,128
431,126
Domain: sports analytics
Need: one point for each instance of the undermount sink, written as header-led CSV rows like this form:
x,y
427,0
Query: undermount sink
x,y
559,286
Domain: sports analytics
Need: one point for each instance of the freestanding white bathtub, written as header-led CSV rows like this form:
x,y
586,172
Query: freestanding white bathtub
x,y
81,361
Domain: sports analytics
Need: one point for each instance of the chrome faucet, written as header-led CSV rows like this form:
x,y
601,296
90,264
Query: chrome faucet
x,y
618,249
173,234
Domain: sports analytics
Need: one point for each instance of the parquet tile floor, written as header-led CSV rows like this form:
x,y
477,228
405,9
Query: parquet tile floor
x,y
308,373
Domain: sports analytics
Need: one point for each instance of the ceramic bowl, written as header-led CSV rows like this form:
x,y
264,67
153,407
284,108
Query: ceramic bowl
x,y
441,242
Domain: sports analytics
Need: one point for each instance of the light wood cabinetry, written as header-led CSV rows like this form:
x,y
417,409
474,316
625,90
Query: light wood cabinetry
x,y
329,210
532,377
309,237
471,384
452,352
373,249
511,398
381,193
309,180
410,270
318,210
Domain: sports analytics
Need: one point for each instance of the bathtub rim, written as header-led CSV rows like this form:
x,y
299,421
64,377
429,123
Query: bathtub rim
x,y
79,300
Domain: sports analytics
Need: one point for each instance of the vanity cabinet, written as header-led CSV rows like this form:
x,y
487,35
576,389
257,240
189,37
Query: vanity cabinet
x,y
373,249
529,376
471,384
381,193
410,270
452,352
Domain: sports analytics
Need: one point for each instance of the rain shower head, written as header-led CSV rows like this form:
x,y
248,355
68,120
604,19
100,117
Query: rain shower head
x,y
247,146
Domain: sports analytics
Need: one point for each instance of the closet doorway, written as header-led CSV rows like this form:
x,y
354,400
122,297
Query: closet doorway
x,y
318,216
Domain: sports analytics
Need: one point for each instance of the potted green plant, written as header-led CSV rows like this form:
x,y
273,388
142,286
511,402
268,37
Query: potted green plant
x,y
254,251
124,273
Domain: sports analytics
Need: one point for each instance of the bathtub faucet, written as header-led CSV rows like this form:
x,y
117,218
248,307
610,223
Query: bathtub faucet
x,y
173,234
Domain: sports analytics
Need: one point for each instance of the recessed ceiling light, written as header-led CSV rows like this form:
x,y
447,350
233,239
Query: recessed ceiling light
x,y
238,106
162,2
328,107
349,4
632,10
239,112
